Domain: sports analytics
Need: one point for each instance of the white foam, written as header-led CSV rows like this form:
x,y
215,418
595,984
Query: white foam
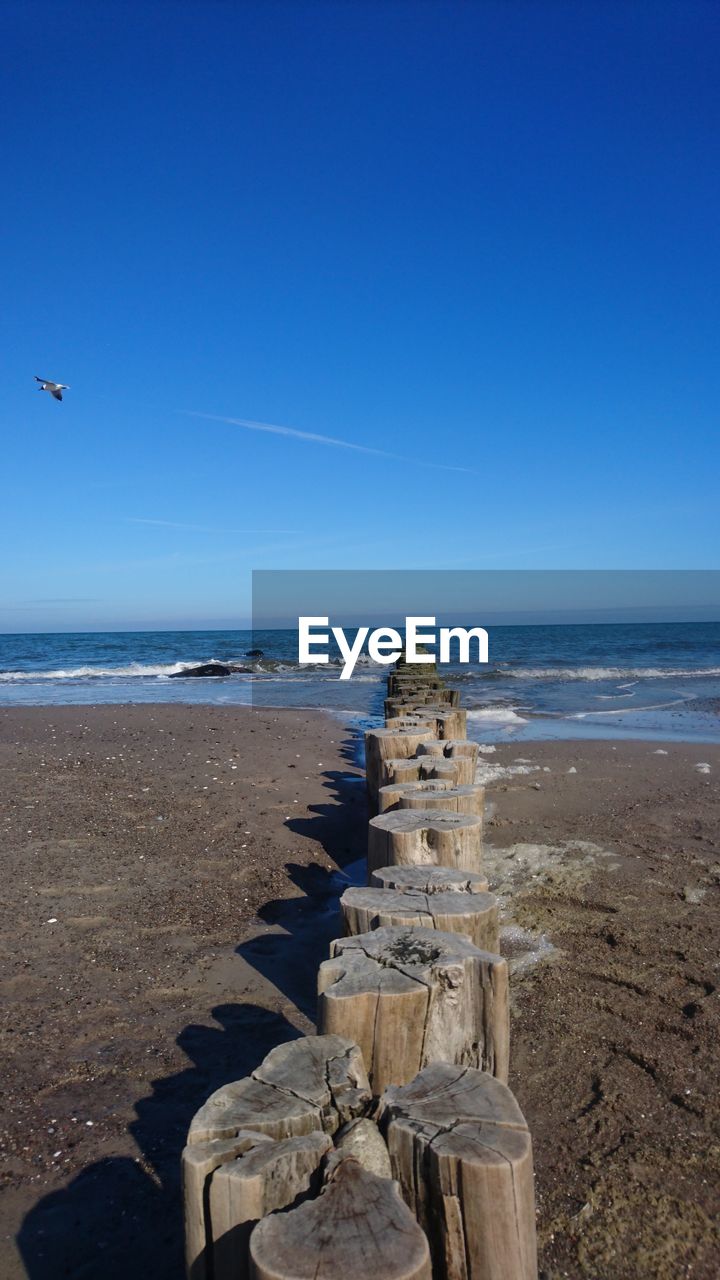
x,y
607,673
486,773
622,711
523,948
703,767
89,673
496,715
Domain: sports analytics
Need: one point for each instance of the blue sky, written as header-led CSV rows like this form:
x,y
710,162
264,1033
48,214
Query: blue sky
x,y
480,238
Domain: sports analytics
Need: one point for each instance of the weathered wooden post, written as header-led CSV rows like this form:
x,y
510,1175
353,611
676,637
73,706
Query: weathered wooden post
x,y
272,1176
432,793
388,744
359,1227
410,996
475,915
461,1151
421,768
461,751
311,1085
427,879
438,769
450,722
412,720
388,796
414,837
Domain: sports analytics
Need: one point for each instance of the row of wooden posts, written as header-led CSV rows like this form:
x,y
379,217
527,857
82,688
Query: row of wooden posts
x,y
388,1145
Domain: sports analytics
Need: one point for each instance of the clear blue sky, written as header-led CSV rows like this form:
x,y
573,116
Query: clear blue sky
x,y
477,235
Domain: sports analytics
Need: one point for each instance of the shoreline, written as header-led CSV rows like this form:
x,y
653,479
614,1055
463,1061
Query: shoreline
x,y
183,912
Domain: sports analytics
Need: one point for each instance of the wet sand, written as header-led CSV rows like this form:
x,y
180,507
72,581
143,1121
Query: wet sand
x,y
191,859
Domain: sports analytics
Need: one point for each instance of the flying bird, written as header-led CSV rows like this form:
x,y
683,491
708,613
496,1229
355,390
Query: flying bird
x,y
55,388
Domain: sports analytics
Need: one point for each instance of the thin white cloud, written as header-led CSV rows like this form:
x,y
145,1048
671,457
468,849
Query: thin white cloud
x,y
313,438
199,528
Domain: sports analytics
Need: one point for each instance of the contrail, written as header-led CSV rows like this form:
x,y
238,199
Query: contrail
x,y
199,528
313,438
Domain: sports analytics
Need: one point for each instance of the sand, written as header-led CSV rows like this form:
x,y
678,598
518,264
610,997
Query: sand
x,y
190,859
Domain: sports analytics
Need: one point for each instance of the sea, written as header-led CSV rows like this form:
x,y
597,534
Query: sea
x,y
651,681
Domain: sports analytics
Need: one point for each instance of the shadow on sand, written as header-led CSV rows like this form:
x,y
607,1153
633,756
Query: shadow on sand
x,y
121,1215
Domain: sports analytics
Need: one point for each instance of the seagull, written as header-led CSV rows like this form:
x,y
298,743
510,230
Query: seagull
x,y
55,388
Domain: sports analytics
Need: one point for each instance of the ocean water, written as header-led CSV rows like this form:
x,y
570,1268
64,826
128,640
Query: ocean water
x,y
652,681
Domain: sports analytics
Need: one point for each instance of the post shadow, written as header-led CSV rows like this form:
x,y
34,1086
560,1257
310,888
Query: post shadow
x,y
290,960
122,1216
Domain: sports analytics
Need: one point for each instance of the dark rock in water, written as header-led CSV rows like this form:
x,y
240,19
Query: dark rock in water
x,y
254,653
204,669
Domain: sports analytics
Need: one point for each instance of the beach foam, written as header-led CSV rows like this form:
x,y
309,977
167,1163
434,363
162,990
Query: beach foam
x,y
496,715
607,673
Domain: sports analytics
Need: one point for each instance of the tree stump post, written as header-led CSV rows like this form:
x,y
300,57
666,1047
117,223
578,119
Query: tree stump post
x,y
387,744
389,795
474,915
433,793
358,1228
461,1151
417,837
308,1086
410,996
272,1176
428,879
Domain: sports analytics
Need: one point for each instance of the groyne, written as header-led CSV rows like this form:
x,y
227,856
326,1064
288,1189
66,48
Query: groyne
x,y
389,1144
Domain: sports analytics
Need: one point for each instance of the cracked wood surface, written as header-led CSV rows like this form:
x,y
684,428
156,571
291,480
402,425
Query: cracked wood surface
x,y
271,1176
422,768
304,1087
359,1228
433,793
475,915
388,744
428,879
461,1150
415,837
411,996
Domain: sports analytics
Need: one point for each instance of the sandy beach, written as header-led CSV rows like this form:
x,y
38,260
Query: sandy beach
x,y
170,877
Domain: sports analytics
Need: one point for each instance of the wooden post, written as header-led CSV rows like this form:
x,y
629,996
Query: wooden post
x,y
198,1163
272,1176
420,768
389,795
310,1085
395,703
357,1228
428,880
461,1151
386,744
413,721
315,1083
433,793
450,722
414,996
473,914
461,751
438,769
416,837
400,771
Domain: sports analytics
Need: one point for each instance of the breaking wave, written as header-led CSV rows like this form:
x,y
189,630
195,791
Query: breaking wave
x,y
605,673
91,673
